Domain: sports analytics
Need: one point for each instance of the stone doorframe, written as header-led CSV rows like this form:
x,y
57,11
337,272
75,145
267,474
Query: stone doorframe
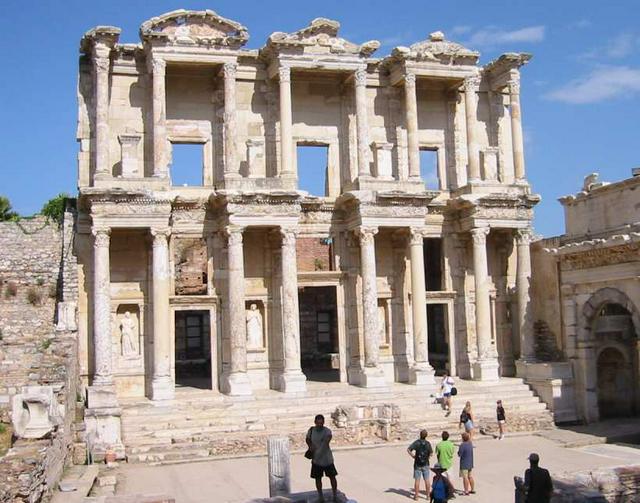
x,y
587,371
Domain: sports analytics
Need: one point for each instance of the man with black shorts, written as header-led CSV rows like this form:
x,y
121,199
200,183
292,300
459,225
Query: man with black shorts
x,y
318,439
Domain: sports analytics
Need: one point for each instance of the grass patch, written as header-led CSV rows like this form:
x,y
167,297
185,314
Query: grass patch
x,y
34,296
5,438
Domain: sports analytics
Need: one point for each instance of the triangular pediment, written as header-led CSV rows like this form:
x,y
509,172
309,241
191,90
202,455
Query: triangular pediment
x,y
189,27
320,37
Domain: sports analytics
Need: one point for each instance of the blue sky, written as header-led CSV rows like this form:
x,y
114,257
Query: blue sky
x,y
580,93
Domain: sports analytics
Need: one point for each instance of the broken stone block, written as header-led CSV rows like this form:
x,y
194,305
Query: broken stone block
x,y
35,412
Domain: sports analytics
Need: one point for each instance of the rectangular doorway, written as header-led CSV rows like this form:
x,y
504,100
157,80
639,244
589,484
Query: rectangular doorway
x,y
319,348
193,349
438,340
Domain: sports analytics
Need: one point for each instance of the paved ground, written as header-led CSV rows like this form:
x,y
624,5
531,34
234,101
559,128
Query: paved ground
x,y
381,474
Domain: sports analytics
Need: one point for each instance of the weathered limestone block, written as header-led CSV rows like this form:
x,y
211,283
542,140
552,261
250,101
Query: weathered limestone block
x,y
67,316
279,466
35,412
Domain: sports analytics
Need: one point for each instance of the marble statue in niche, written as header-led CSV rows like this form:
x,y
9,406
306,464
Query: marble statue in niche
x,y
254,327
128,336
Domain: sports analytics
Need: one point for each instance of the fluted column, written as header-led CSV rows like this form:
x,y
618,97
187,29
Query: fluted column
x,y
101,65
286,147
162,387
102,374
471,85
422,373
235,380
362,122
292,380
371,375
231,165
516,129
158,70
486,366
523,286
411,107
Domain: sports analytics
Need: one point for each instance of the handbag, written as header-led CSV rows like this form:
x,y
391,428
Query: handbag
x,y
454,391
308,454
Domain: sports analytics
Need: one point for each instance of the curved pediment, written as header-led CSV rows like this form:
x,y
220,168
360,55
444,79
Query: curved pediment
x,y
190,27
436,48
320,37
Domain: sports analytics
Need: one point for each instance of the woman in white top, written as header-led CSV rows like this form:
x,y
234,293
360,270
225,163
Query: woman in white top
x,y
446,385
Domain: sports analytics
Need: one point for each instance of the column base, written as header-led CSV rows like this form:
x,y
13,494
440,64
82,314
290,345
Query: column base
x,y
102,423
486,370
236,384
292,382
162,388
101,396
522,367
371,377
422,375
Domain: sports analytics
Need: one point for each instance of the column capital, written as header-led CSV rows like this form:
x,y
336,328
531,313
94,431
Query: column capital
x,y
284,73
229,69
416,236
101,58
101,237
479,235
288,236
409,79
471,84
160,236
513,84
366,234
233,234
157,65
523,236
360,77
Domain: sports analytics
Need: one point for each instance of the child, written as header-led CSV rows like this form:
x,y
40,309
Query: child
x,y
501,419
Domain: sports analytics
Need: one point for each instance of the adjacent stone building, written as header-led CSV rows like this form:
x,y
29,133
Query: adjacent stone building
x,y
587,294
243,281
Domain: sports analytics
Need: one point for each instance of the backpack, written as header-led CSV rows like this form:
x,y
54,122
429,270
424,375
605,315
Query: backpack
x,y
439,489
422,453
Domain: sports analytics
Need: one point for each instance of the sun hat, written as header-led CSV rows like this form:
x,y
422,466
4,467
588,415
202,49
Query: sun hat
x,y
438,468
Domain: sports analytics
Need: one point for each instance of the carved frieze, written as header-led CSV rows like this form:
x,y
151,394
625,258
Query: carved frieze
x,y
598,257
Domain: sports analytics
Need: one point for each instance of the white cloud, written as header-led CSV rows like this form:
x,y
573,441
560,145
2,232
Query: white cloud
x,y
622,45
601,84
492,36
580,24
460,30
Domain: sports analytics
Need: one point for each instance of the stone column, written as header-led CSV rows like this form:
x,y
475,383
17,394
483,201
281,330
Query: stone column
x,y
235,380
102,375
231,166
292,380
101,64
471,85
422,372
411,107
162,387
516,129
523,285
362,122
371,374
486,366
286,147
158,69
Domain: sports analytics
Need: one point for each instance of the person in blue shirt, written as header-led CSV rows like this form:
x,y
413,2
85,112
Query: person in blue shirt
x,y
465,453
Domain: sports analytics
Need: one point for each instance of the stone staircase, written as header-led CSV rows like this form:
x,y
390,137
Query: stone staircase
x,y
200,424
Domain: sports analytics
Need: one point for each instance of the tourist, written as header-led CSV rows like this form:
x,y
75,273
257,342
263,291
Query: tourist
x,y
501,419
537,482
447,386
465,453
420,450
466,419
445,451
318,438
441,488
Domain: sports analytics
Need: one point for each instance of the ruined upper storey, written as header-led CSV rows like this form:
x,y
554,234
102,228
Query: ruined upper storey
x,y
424,117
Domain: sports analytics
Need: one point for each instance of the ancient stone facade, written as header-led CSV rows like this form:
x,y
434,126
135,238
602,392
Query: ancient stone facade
x,y
414,276
586,291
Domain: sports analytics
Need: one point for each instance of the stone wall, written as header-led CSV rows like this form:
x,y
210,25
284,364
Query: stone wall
x,y
606,485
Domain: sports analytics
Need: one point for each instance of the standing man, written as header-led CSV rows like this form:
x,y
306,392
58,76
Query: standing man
x,y
537,482
445,451
318,438
502,419
420,450
465,453
447,386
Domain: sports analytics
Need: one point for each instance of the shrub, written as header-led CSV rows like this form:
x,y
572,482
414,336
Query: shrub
x,y
44,345
6,213
53,291
11,290
53,209
3,428
40,281
34,296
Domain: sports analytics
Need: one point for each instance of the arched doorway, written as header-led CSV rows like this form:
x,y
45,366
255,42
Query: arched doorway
x,y
614,384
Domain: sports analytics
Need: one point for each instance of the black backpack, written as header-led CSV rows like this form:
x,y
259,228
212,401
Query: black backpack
x,y
422,453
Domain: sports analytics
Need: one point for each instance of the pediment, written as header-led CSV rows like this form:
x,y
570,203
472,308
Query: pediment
x,y
320,37
188,27
437,49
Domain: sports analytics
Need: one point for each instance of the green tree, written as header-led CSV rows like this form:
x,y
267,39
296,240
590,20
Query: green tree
x,y
53,209
5,210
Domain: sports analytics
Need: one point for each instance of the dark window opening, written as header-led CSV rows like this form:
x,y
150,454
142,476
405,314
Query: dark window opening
x,y
187,164
313,161
429,168
614,310
437,340
193,349
433,264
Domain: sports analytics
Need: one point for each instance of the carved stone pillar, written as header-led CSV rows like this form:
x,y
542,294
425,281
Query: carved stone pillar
x,y
231,165
422,372
102,375
292,380
471,85
516,129
486,366
158,69
411,107
101,64
286,146
371,374
235,380
362,122
523,286
162,387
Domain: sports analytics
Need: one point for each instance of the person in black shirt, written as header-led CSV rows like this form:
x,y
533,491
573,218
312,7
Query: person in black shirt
x,y
537,482
420,450
501,419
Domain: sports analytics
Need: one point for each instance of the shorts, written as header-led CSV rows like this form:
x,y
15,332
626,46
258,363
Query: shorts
x,y
501,421
421,472
468,426
446,395
318,471
465,473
